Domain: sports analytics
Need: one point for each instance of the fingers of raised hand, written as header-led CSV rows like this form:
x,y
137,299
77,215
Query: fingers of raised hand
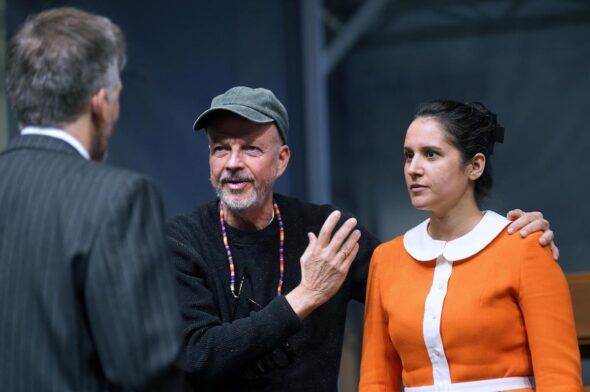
x,y
347,247
312,239
350,258
310,247
341,235
328,227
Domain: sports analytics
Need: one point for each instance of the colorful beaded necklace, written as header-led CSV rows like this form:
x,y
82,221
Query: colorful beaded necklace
x,y
230,259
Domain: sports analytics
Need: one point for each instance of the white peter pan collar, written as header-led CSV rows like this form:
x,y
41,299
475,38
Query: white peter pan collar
x,y
422,247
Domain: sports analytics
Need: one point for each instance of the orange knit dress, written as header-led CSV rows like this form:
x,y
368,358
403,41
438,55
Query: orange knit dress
x,y
485,312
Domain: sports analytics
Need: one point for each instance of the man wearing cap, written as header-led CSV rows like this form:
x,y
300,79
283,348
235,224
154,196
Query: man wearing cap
x,y
265,279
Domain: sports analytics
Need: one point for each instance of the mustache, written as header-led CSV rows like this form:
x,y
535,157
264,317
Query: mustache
x,y
236,178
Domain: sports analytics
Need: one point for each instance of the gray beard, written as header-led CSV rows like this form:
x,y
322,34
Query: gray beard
x,y
257,196
240,205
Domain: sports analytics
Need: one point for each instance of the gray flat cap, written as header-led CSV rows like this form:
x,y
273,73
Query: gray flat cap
x,y
258,105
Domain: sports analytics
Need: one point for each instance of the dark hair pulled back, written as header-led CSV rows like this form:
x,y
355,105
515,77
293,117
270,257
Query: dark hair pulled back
x,y
472,128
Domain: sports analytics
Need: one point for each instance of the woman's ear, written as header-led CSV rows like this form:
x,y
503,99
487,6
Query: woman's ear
x,y
476,167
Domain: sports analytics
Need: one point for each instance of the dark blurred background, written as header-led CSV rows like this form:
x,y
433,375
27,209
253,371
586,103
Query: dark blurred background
x,y
350,73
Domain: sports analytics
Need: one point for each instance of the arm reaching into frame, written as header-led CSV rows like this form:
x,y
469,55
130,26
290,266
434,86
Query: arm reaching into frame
x,y
530,222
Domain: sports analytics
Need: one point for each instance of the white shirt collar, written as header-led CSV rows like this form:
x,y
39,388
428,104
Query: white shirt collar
x,y
58,134
422,247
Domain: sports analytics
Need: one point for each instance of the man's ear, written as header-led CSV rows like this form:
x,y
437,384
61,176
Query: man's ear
x,y
284,155
476,166
99,104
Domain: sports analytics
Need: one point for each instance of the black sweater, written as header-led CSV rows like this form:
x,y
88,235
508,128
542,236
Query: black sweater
x,y
241,344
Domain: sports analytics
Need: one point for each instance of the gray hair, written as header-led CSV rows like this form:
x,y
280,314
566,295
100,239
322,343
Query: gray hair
x,y
57,60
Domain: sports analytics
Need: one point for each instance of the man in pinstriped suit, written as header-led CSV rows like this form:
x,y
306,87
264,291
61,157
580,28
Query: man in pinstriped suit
x,y
87,298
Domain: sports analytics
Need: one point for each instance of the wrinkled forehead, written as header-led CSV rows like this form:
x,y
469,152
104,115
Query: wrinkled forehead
x,y
231,126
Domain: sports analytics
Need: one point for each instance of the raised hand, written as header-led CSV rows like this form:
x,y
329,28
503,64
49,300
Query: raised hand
x,y
325,264
530,222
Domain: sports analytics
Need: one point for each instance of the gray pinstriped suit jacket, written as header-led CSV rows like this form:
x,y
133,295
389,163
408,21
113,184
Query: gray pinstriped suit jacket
x,y
87,297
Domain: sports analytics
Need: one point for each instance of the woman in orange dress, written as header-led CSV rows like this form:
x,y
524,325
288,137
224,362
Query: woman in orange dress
x,y
456,304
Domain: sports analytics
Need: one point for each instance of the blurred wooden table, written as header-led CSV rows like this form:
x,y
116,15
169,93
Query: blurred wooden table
x,y
580,289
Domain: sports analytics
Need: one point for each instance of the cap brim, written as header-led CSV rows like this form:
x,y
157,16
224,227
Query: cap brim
x,y
240,110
